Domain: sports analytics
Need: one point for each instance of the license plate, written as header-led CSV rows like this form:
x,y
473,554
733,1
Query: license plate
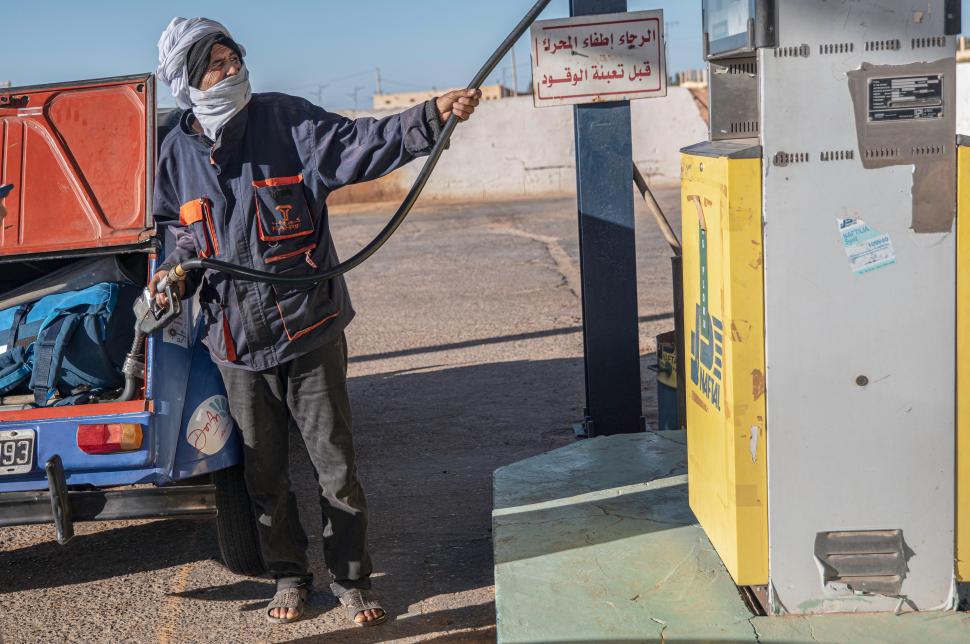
x,y
16,451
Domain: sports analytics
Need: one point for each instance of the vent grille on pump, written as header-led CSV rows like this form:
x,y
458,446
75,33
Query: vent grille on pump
x,y
836,48
802,51
869,561
745,127
837,155
877,154
743,68
928,150
884,45
923,43
782,159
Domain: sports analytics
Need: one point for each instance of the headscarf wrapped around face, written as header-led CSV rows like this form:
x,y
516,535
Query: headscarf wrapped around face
x,y
173,53
197,60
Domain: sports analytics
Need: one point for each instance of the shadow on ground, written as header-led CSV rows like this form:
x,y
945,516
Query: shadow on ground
x,y
428,441
107,554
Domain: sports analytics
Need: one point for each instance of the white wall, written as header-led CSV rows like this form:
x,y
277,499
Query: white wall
x,y
511,149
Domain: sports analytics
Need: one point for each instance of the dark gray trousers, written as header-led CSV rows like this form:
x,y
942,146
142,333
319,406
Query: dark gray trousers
x,y
311,392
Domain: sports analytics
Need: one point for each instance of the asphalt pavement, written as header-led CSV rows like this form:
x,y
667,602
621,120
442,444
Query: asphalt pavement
x,y
466,355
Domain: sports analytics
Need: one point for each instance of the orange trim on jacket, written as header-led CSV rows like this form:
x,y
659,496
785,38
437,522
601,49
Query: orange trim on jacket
x,y
210,225
301,251
231,355
191,212
278,181
300,334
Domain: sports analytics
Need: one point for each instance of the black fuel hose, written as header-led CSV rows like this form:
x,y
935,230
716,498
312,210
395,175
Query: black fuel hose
x,y
402,211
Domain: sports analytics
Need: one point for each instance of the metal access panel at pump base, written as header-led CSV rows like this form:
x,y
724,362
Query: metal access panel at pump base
x,y
81,158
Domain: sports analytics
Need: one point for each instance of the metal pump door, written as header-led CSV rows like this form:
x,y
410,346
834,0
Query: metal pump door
x,y
849,106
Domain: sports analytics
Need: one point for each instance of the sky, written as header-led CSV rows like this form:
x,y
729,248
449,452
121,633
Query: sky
x,y
325,50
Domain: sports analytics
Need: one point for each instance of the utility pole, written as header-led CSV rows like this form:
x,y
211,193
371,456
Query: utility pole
x,y
379,90
667,28
515,75
356,92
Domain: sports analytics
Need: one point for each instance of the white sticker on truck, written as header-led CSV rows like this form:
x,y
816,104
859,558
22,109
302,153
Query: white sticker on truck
x,y
210,426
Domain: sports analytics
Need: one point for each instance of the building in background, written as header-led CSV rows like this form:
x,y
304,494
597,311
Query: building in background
x,y
690,79
402,100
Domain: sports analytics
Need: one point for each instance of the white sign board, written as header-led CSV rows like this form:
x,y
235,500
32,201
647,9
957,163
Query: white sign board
x,y
593,59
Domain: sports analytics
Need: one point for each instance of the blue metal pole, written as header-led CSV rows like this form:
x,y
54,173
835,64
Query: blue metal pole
x,y
604,175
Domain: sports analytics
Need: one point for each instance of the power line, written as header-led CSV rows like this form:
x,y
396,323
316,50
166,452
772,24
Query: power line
x,y
366,72
327,81
354,94
416,86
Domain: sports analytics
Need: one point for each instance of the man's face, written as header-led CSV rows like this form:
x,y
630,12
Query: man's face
x,y
223,63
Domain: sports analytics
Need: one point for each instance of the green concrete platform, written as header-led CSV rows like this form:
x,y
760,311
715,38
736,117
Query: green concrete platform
x,y
595,542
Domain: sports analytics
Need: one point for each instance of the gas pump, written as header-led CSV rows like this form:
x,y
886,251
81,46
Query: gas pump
x,y
822,270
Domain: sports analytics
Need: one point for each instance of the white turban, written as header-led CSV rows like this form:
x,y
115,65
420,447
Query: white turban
x,y
173,50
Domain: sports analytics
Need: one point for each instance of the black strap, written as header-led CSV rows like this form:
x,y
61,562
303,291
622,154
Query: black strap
x,y
49,355
18,318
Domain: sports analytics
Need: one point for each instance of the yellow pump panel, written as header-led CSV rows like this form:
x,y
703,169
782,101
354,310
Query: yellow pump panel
x,y
724,332
963,368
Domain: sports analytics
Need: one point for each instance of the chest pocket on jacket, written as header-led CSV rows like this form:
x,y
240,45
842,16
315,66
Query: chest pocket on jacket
x,y
283,218
198,214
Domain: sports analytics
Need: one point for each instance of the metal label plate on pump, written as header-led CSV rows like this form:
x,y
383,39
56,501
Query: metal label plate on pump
x,y
906,98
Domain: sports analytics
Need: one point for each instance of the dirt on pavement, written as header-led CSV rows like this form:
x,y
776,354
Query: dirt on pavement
x,y
466,356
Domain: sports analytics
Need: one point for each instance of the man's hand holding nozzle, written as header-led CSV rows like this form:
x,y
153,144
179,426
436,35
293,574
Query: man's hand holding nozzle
x,y
157,287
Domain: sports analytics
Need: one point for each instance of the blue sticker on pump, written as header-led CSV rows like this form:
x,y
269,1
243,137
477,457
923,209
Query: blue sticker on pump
x,y
867,249
5,190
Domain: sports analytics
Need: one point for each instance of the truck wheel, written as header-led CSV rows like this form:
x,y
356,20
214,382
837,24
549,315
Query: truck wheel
x,y
236,524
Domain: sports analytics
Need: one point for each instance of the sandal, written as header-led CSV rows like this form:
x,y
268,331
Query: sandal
x,y
294,597
357,600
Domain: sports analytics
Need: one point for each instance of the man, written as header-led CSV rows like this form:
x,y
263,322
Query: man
x,y
247,176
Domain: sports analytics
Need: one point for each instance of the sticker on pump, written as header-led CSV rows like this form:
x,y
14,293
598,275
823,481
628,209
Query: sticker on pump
x,y
177,332
210,426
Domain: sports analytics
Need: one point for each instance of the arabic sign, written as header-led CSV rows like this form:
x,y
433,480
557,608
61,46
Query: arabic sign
x,y
593,59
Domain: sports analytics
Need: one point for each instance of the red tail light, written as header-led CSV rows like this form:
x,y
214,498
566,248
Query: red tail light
x,y
109,438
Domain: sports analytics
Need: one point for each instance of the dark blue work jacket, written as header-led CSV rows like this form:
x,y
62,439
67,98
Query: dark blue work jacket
x,y
258,199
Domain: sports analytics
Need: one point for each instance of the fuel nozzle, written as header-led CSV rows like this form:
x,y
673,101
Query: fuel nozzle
x,y
175,275
150,317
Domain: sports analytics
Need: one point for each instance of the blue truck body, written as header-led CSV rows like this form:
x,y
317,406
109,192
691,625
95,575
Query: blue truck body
x,y
187,430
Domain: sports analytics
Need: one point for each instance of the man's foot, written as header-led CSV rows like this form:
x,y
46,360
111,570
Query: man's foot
x,y
371,615
287,605
285,614
363,607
